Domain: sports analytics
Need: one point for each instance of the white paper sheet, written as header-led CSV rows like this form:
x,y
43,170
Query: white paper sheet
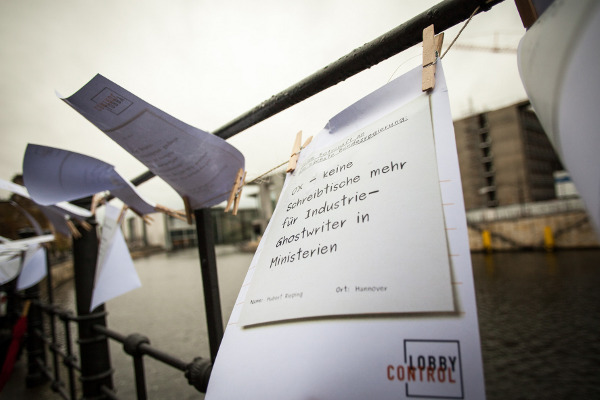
x,y
10,265
369,356
54,175
195,163
32,221
62,207
354,219
34,269
115,272
23,244
558,63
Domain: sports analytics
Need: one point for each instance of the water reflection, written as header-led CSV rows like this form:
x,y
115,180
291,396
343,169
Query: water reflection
x,y
538,316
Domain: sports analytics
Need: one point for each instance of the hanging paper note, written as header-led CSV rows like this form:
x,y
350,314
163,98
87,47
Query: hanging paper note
x,y
62,207
56,213
53,175
34,268
10,263
362,283
115,272
359,229
24,244
195,163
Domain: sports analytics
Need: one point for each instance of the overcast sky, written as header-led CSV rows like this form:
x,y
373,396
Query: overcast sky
x,y
207,62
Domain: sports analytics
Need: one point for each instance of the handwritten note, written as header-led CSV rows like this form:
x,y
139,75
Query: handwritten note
x,y
359,229
195,163
350,351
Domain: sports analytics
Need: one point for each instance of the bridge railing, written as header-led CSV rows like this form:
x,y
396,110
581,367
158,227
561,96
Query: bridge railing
x,y
92,362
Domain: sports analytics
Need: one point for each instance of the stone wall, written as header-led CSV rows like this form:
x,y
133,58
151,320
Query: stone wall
x,y
571,230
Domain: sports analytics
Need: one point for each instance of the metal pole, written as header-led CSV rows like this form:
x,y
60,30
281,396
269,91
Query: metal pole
x,y
96,369
52,315
34,344
443,15
210,280
69,361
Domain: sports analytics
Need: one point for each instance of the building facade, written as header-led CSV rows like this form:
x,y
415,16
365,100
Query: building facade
x,y
505,158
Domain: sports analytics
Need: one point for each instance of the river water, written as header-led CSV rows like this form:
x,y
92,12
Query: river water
x,y
538,315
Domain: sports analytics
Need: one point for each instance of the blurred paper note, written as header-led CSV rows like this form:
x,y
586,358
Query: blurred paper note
x,y
34,269
195,163
53,175
24,244
115,272
10,263
57,213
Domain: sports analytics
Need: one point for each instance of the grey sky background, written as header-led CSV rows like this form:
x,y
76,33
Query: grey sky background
x,y
207,62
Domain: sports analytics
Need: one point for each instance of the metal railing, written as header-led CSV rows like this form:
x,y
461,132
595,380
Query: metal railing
x,y
136,345
91,362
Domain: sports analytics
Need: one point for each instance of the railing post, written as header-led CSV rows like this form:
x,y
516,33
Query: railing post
x,y
210,280
52,316
94,353
35,344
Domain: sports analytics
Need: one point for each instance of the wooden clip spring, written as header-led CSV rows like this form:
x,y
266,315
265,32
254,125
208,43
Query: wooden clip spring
x,y
238,195
236,191
97,199
432,47
172,213
74,231
296,151
188,209
122,214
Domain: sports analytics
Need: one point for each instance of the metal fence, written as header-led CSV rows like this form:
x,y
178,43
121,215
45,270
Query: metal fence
x,y
88,369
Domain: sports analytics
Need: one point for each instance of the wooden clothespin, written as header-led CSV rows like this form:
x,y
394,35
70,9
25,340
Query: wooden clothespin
x,y
188,209
432,47
238,195
172,213
296,151
122,214
96,200
85,225
74,231
145,217
235,194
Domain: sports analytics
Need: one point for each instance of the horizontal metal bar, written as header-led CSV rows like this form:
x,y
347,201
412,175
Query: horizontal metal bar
x,y
162,356
55,310
144,348
109,332
444,15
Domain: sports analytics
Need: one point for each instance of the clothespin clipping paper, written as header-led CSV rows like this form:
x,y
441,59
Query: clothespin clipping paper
x,y
74,231
296,151
432,46
170,212
236,191
122,214
188,209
